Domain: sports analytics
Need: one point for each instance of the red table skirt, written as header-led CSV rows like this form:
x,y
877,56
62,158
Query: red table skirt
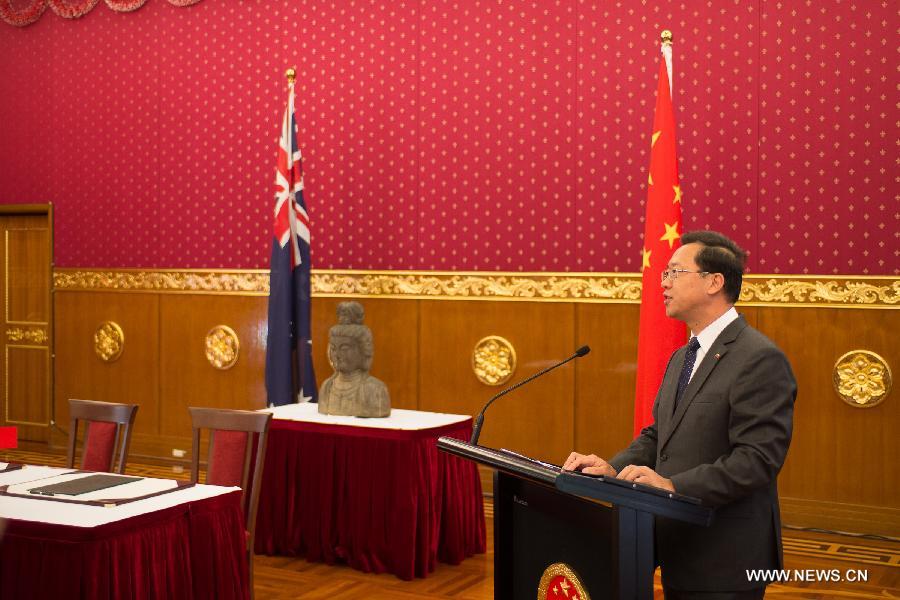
x,y
379,500
194,550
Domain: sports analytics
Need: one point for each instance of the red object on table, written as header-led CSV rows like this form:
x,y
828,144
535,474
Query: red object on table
x,y
193,550
380,500
9,437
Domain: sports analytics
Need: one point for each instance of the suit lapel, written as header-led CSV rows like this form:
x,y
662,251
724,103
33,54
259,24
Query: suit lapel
x,y
668,388
718,349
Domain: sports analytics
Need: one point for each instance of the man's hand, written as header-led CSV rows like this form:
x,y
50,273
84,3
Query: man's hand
x,y
590,463
646,476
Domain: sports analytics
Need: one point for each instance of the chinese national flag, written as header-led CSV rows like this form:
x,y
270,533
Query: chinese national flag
x,y
659,335
8,437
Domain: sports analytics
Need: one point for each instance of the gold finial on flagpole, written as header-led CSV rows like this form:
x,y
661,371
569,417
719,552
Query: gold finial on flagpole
x,y
665,49
291,75
666,37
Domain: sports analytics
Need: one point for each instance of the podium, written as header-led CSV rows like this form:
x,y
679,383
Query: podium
x,y
563,528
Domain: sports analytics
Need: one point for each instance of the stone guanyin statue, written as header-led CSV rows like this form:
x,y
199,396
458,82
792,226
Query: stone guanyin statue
x,y
351,390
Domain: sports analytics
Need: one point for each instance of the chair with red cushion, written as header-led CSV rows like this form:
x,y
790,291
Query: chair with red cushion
x,y
230,451
107,434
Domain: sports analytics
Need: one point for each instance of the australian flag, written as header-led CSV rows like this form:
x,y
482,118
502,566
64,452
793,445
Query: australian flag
x,y
289,369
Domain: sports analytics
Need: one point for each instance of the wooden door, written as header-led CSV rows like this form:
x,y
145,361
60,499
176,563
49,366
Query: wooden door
x,y
25,284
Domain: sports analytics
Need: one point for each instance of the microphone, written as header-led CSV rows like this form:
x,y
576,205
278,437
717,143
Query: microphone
x,y
479,420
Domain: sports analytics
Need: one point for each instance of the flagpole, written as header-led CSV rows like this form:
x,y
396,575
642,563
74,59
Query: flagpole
x,y
666,49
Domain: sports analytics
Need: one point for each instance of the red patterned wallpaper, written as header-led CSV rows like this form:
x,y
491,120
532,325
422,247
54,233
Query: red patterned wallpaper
x,y
456,135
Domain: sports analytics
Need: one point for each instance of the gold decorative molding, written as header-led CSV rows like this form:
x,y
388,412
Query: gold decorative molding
x,y
493,360
860,292
479,286
250,282
862,378
758,290
35,335
109,341
560,581
222,347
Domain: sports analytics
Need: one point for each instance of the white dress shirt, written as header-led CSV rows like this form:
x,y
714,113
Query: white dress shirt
x,y
709,335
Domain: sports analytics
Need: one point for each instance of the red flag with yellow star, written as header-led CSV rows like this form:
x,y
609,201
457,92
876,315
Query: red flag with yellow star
x,y
659,335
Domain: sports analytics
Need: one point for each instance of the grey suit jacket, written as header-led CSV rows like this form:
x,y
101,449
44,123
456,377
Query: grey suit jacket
x,y
725,444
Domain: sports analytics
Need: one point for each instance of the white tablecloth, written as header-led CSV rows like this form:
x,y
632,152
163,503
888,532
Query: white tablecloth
x,y
399,418
48,510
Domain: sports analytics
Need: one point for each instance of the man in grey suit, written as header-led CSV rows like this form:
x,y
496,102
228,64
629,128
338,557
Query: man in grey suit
x,y
722,426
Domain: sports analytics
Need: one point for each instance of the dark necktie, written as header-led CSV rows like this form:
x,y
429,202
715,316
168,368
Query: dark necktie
x,y
689,357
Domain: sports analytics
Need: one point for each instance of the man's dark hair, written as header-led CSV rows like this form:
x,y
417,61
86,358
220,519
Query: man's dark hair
x,y
719,255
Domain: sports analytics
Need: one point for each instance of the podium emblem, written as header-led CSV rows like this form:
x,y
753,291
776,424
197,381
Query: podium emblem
x,y
559,582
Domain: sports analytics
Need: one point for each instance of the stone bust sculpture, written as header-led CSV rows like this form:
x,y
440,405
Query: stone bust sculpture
x,y
351,390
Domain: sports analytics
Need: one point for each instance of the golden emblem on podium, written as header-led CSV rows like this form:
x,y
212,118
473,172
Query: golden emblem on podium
x,y
559,582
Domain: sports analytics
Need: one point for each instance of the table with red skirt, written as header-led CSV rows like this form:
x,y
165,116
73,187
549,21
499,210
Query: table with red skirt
x,y
375,494
189,543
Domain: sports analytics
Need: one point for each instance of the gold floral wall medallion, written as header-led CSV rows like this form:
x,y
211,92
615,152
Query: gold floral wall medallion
x,y
861,378
222,347
560,581
493,360
109,341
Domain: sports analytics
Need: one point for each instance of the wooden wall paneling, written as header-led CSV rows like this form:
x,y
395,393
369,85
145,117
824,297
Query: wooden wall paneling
x,y
80,373
537,419
28,260
25,375
28,386
394,325
604,396
323,317
839,454
751,315
186,376
839,469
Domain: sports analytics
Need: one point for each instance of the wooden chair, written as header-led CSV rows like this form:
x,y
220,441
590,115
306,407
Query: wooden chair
x,y
229,457
108,428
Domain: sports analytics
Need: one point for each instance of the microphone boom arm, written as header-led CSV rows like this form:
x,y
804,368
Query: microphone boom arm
x,y
479,420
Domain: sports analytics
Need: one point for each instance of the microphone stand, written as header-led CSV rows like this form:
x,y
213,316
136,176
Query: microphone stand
x,y
479,420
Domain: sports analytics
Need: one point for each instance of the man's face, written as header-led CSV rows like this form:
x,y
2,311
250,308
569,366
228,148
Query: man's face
x,y
345,354
687,292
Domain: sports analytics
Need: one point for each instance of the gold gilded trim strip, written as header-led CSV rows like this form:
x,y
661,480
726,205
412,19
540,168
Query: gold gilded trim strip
x,y
759,290
250,282
559,287
787,290
34,335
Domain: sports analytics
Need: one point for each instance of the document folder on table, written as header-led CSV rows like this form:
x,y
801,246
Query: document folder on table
x,y
84,485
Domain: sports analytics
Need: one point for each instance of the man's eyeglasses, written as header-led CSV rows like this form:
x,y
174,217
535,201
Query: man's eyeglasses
x,y
673,273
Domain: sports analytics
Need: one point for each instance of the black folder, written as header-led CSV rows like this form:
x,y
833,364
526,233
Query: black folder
x,y
84,485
